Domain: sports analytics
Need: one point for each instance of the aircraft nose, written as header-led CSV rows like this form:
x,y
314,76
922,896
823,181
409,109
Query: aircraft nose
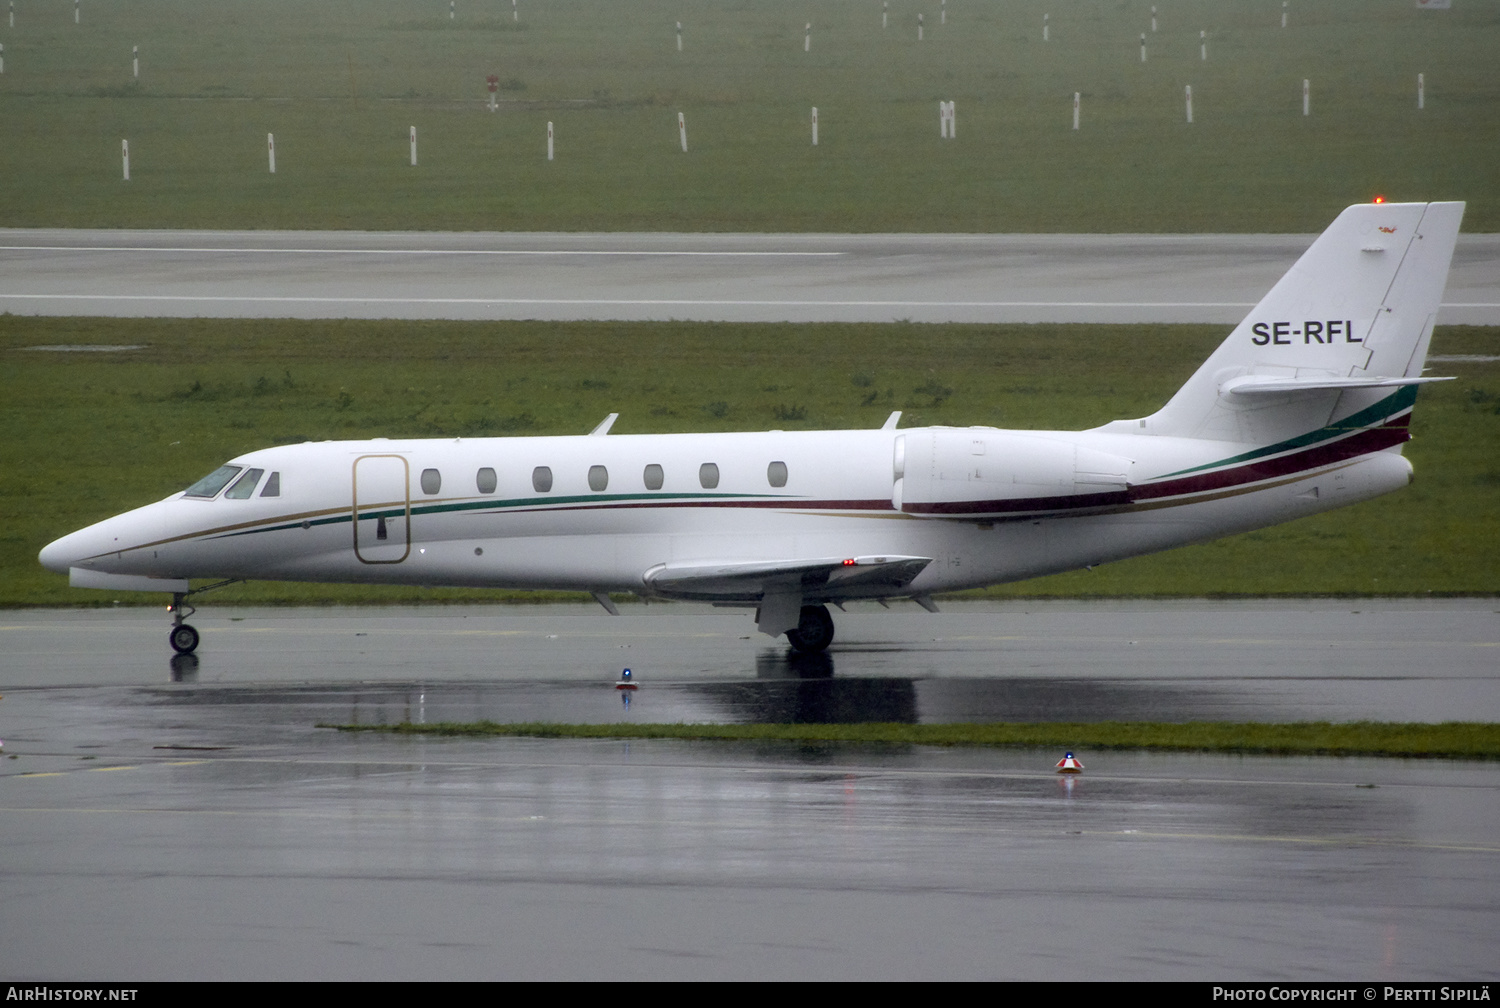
x,y
60,554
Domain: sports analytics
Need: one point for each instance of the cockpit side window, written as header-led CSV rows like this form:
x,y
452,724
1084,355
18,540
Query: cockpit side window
x,y
244,486
210,485
273,486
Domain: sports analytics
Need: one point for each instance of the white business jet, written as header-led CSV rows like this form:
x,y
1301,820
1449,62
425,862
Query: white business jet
x,y
1302,409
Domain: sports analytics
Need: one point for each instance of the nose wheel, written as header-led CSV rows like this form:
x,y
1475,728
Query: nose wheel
x,y
182,637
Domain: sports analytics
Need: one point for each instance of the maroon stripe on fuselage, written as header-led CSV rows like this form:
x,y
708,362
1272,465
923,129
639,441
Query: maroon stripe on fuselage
x,y
1364,442
1070,502
783,504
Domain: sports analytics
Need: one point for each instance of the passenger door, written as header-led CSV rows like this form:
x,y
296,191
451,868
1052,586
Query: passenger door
x,y
382,509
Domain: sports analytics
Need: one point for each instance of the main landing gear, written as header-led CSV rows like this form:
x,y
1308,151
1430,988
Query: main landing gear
x,y
814,631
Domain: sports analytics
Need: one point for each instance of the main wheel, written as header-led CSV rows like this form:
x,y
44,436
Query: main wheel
x,y
814,630
183,638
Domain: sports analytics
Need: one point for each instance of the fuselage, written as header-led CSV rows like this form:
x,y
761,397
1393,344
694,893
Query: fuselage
x,y
598,513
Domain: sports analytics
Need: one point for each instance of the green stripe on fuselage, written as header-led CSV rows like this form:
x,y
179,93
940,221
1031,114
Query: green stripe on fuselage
x,y
527,503
1401,399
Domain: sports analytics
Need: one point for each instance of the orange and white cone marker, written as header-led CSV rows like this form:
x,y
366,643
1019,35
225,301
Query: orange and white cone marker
x,y
1069,764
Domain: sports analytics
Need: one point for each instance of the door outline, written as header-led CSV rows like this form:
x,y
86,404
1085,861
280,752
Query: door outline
x,y
382,509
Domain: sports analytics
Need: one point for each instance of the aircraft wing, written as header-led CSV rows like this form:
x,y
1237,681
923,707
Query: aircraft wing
x,y
823,577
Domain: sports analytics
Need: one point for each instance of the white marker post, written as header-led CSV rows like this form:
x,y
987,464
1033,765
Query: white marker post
x,y
1188,94
1421,89
947,120
125,158
2,59
271,151
1203,46
1306,100
682,131
1075,109
1153,20
1283,13
1143,47
919,27
515,12
135,62
807,39
549,141
1045,26
943,17
885,14
75,12
815,125
679,36
413,146
450,10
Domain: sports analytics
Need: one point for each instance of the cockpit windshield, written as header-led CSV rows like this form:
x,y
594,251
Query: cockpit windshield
x,y
244,486
210,485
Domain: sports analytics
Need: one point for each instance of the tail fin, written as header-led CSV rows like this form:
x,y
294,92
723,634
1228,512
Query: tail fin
x,y
1340,340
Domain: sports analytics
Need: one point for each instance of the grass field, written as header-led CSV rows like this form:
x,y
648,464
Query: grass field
x,y
91,434
1450,740
340,82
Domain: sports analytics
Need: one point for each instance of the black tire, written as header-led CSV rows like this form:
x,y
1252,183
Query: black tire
x,y
814,630
183,638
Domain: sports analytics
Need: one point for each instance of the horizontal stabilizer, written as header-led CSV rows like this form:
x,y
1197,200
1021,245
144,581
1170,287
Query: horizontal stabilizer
x,y
1257,384
748,580
79,577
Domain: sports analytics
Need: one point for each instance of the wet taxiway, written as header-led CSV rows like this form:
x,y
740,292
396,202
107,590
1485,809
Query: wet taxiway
x,y
190,820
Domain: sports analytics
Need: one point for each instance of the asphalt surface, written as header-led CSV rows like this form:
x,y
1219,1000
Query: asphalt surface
x,y
183,820
714,277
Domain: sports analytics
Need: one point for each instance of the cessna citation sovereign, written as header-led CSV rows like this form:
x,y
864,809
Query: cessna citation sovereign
x,y
1303,408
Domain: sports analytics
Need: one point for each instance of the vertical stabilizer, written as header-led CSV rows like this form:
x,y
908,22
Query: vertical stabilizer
x,y
1341,336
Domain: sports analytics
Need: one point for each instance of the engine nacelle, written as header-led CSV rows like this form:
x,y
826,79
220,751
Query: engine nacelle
x,y
987,474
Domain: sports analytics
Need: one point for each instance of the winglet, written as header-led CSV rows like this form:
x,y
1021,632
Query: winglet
x,y
604,425
891,421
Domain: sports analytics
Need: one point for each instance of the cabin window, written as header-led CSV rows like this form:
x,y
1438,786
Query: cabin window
x,y
776,474
273,486
210,485
432,481
653,477
484,480
708,475
244,486
598,477
541,479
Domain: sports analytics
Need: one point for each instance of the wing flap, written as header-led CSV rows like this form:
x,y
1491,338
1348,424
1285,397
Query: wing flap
x,y
821,577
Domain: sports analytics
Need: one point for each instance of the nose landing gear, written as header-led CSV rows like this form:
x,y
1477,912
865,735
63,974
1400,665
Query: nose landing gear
x,y
182,637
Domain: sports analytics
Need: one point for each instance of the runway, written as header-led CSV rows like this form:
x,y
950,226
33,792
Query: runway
x,y
171,820
650,276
